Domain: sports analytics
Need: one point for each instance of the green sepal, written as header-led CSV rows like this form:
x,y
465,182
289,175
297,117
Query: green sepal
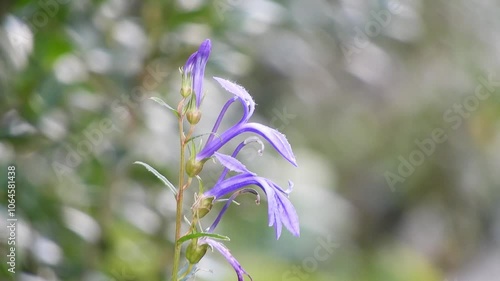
x,y
203,206
193,167
193,116
195,252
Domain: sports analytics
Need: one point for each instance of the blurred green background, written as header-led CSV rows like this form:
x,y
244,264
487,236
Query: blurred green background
x,y
392,109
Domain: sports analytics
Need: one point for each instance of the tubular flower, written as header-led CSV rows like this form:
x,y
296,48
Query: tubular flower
x,y
227,255
280,209
275,138
194,69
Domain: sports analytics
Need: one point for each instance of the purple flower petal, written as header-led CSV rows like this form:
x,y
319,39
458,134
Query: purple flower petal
x,y
242,94
229,257
195,66
288,215
237,150
219,118
280,209
231,163
275,138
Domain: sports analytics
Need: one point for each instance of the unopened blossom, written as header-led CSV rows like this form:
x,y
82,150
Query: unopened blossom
x,y
194,70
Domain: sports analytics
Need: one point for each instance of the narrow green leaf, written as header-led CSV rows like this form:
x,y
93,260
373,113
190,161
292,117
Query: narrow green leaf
x,y
163,103
158,175
201,234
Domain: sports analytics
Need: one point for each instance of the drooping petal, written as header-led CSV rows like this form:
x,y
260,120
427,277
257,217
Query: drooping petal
x,y
228,256
280,209
275,138
242,94
231,163
239,94
229,185
287,214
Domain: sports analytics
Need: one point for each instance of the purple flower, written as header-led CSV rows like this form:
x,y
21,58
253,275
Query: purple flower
x,y
219,246
275,138
280,209
195,69
227,254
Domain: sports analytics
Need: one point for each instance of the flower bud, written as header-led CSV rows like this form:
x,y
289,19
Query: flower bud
x,y
203,207
193,167
195,252
193,116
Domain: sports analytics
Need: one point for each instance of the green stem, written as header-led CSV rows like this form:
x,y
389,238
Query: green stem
x,y
179,199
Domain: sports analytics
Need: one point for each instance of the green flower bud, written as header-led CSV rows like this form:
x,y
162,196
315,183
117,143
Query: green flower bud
x,y
195,252
193,116
193,167
203,206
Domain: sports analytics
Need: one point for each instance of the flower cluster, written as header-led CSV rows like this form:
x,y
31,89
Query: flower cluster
x,y
280,210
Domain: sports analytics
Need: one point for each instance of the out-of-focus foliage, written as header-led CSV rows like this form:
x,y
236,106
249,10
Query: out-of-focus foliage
x,y
392,107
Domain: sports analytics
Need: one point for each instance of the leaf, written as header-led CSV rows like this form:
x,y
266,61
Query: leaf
x,y
163,103
201,234
158,175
